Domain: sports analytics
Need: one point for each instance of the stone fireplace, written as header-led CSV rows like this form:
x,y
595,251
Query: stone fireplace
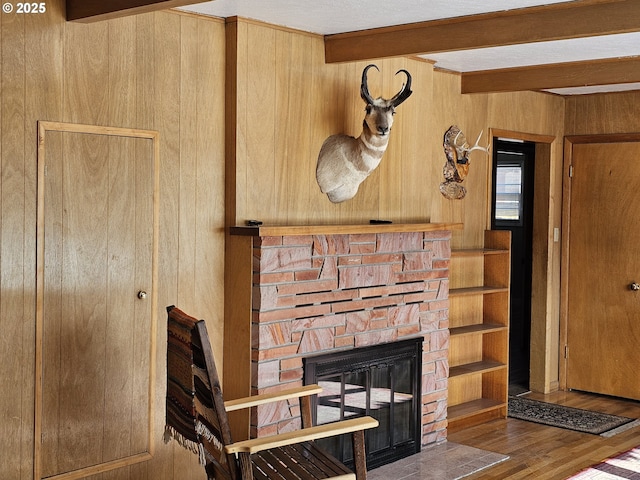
x,y
324,289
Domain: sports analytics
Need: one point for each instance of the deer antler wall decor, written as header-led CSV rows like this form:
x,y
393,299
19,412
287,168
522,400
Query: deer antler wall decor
x,y
345,161
456,168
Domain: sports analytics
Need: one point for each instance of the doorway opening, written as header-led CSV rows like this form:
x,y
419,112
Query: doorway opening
x,y
512,209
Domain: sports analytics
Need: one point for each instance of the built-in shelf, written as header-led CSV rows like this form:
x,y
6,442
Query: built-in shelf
x,y
473,408
484,366
474,252
481,290
480,329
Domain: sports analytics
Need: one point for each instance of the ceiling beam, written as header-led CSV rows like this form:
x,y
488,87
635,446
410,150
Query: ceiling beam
x,y
96,10
558,75
534,24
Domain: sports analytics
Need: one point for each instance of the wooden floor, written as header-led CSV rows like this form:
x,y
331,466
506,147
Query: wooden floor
x,y
541,452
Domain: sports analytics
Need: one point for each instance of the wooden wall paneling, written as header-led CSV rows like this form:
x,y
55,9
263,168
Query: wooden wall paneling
x,y
43,95
413,138
112,73
231,120
261,125
237,331
187,169
129,156
173,461
602,113
323,102
144,68
393,167
327,115
43,67
286,88
242,104
121,62
446,112
210,187
294,70
542,310
85,99
12,235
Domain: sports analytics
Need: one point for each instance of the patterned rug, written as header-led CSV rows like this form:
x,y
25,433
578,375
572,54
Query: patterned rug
x,y
565,417
625,465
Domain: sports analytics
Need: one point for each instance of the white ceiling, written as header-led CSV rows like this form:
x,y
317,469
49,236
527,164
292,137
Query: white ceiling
x,y
327,17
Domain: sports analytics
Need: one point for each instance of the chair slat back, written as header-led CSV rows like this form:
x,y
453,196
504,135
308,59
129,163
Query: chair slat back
x,y
195,406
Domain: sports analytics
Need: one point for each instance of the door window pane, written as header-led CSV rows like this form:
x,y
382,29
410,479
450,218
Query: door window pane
x,y
508,193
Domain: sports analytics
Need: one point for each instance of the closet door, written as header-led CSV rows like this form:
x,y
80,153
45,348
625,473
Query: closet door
x,y
96,295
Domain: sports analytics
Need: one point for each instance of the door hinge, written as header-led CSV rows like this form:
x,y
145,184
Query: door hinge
x,y
566,351
570,171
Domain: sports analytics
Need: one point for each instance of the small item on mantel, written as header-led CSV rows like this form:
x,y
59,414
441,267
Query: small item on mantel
x,y
378,222
253,223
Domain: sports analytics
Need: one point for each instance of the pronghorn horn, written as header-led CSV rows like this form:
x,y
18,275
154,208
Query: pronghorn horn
x,y
405,92
364,88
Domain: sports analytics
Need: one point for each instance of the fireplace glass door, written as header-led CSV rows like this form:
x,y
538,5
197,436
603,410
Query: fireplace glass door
x,y
383,382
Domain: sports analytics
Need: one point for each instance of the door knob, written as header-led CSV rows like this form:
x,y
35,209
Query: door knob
x,y
142,294
634,286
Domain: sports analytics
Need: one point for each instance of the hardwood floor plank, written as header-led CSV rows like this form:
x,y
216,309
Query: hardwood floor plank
x,y
549,453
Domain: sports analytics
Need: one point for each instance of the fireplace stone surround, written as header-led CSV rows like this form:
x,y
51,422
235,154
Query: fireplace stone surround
x,y
334,288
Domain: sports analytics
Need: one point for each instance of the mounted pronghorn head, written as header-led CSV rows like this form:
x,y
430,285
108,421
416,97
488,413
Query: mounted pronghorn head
x,y
380,112
344,161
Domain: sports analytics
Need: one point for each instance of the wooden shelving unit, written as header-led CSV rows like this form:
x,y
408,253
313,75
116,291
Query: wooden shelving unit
x,y
479,329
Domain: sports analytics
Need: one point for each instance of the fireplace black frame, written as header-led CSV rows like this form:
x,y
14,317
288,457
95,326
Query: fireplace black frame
x,y
382,445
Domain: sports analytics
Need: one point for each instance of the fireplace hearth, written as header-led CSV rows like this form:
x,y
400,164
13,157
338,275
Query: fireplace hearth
x,y
382,381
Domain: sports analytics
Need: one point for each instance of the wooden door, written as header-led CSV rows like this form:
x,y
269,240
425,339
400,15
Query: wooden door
x,y
603,312
96,294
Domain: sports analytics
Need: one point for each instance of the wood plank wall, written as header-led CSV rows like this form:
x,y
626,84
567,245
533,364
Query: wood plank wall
x,y
603,113
286,101
160,71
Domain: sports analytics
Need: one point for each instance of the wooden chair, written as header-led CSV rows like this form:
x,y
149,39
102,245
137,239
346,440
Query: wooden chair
x,y
197,419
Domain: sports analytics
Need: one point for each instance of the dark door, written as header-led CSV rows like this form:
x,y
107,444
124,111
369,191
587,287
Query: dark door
x,y
512,209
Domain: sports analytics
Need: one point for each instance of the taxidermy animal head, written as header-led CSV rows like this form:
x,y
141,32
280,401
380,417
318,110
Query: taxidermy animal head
x,y
456,168
344,161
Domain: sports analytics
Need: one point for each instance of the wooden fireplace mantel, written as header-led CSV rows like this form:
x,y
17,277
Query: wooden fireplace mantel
x,y
289,230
